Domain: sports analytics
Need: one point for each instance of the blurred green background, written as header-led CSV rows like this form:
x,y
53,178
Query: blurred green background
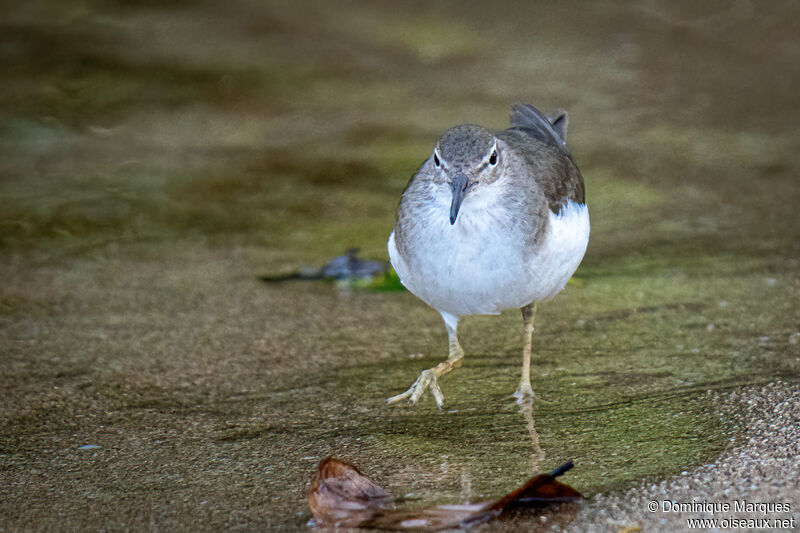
x,y
157,157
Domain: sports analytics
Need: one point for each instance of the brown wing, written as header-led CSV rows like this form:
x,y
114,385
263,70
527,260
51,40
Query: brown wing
x,y
549,164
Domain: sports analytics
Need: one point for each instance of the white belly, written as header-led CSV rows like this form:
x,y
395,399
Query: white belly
x,y
480,265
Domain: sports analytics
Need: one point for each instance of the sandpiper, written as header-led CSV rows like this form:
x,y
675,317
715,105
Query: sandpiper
x,y
491,221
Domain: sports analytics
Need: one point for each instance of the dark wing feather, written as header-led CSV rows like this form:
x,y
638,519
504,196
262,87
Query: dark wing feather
x,y
542,144
528,117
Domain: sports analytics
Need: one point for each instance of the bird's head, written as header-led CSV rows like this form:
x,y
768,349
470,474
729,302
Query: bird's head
x,y
465,158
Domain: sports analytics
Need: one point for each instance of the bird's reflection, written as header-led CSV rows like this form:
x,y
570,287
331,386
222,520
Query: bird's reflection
x,y
526,408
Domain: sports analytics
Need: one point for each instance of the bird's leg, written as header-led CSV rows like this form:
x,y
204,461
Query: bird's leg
x,y
525,390
526,408
429,379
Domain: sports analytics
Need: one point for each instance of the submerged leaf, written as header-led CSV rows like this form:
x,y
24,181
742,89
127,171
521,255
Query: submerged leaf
x,y
539,491
347,267
341,496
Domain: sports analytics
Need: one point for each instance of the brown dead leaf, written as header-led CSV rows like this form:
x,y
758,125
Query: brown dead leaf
x,y
340,496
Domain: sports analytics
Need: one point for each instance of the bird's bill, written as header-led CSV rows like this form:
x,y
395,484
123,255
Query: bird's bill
x,y
460,185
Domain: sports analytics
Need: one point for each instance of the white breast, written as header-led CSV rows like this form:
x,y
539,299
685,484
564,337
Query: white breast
x,y
480,265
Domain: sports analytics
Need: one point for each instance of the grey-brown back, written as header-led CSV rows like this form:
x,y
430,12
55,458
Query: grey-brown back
x,y
542,147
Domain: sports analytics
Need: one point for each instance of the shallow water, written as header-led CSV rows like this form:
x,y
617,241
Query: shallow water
x,y
155,161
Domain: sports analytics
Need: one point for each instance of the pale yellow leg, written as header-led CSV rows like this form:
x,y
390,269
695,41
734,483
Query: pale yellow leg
x,y
429,379
525,390
526,408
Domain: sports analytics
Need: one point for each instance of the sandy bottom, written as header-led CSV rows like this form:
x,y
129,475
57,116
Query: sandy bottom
x,y
763,469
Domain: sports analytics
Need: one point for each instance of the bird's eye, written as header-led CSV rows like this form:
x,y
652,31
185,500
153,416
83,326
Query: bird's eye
x,y
436,160
493,158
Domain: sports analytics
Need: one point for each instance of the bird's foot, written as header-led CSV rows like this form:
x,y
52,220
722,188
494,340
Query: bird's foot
x,y
527,396
426,380
524,393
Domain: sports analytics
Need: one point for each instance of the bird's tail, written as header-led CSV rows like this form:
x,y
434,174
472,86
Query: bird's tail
x,y
552,126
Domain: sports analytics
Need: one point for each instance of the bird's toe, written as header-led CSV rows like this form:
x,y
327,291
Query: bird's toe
x,y
426,380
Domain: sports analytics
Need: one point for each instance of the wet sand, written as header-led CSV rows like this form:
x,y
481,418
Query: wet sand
x,y
756,478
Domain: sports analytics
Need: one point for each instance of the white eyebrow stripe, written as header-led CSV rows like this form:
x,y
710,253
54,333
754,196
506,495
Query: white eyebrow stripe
x,y
438,154
489,155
